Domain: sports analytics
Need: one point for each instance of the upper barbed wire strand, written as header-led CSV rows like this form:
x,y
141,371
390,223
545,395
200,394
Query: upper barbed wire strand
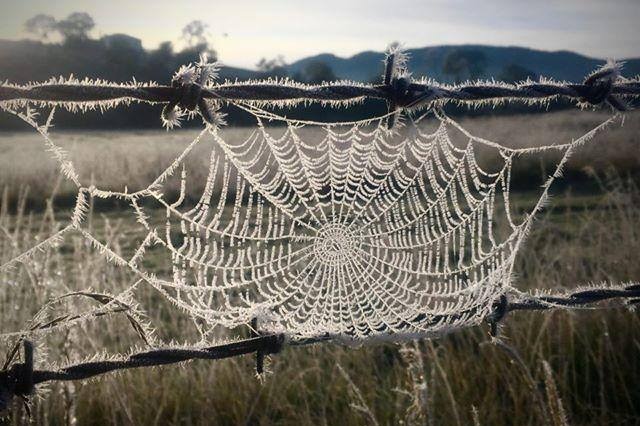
x,y
399,90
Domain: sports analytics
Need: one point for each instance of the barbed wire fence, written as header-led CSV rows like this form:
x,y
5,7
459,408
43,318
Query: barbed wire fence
x,y
401,93
20,379
398,89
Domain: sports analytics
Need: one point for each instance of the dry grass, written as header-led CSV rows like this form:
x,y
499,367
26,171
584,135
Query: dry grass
x,y
581,367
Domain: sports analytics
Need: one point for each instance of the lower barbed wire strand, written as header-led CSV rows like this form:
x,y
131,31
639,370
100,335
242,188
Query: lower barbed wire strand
x,y
20,379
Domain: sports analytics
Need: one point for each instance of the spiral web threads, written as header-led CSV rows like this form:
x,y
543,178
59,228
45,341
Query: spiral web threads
x,y
358,234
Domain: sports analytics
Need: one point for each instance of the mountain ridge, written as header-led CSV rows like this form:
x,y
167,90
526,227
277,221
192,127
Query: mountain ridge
x,y
428,62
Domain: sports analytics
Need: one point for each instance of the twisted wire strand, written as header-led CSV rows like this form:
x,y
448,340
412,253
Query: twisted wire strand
x,y
267,91
20,379
194,93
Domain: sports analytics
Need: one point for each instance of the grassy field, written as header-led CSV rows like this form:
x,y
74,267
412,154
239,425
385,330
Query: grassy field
x,y
582,366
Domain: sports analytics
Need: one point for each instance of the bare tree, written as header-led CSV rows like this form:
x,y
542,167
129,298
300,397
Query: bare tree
x,y
195,33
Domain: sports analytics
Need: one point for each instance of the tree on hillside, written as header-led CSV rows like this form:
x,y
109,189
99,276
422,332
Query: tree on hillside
x,y
196,34
124,55
41,26
464,64
317,72
160,62
76,26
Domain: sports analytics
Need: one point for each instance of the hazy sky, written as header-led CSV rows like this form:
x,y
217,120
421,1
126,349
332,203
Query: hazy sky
x,y
244,31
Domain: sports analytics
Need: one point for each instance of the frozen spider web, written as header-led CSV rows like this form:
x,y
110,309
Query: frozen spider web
x,y
344,230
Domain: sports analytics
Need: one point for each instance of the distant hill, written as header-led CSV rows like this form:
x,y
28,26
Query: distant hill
x,y
429,61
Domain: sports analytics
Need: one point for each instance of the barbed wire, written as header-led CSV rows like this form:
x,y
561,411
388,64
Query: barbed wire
x,y
266,91
21,378
398,89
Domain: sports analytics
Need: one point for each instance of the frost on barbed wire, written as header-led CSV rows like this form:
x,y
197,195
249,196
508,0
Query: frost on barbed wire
x,y
194,91
77,106
354,231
